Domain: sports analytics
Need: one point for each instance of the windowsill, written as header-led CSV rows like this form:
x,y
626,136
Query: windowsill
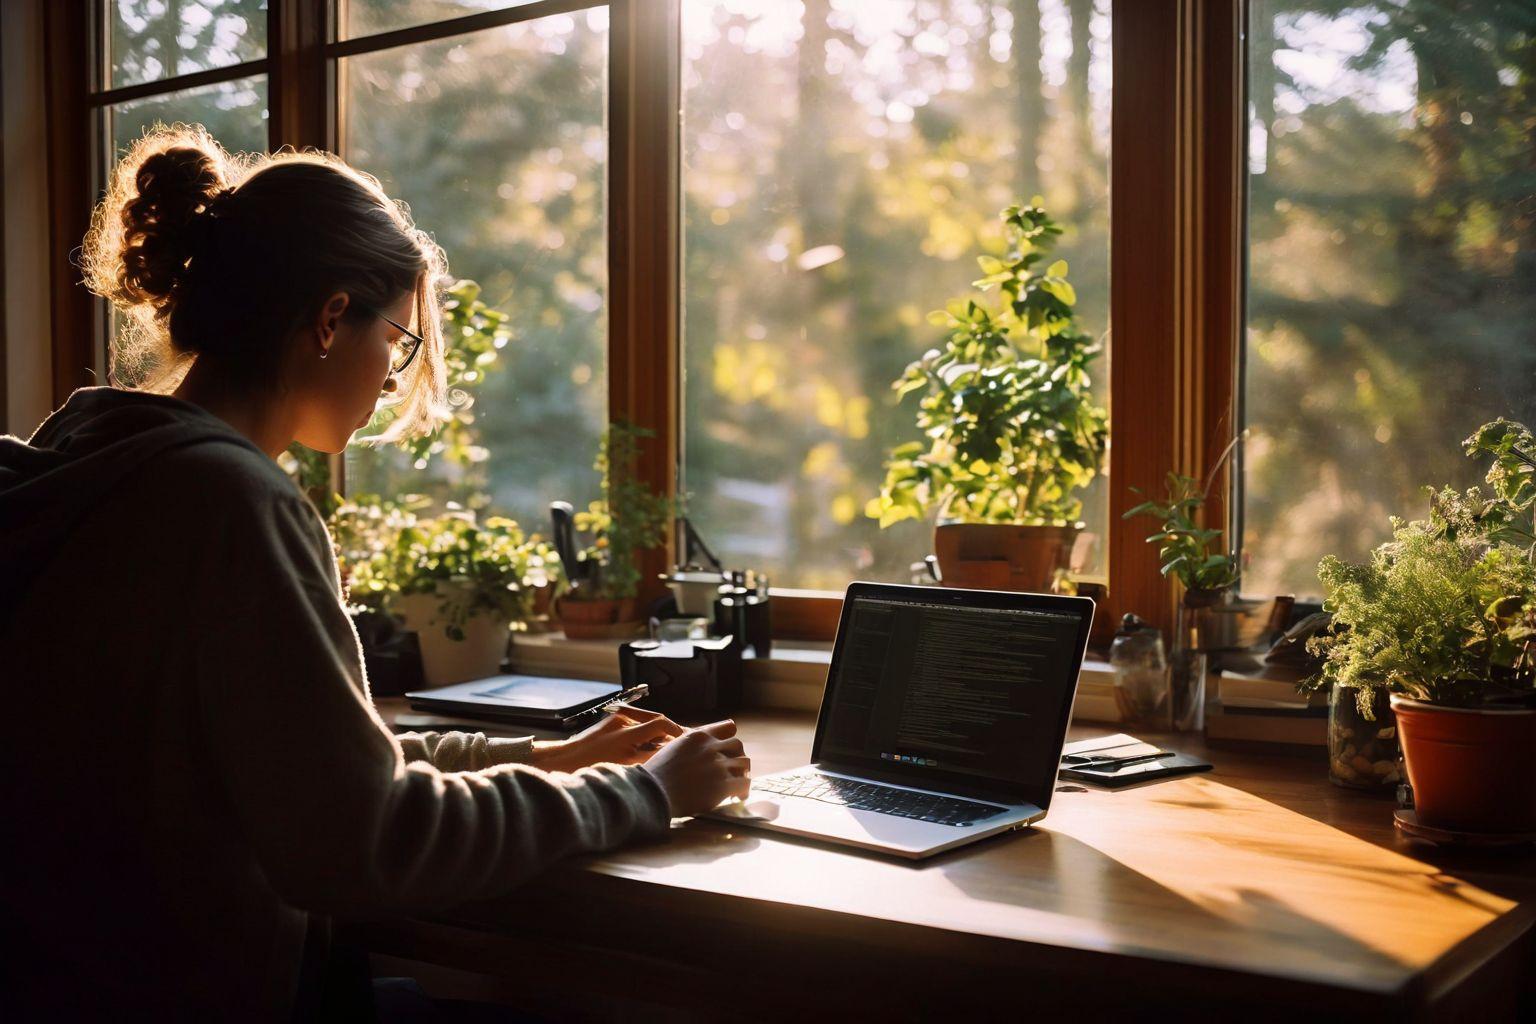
x,y
792,678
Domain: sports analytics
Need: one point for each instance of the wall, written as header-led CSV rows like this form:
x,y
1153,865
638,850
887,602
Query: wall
x,y
28,390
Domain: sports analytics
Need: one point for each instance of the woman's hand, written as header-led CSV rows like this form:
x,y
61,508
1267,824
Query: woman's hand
x,y
627,736
701,768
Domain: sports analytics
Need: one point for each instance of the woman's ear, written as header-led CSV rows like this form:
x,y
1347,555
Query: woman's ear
x,y
329,319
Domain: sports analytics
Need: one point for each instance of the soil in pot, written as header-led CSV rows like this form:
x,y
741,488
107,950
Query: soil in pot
x,y
1472,770
1003,556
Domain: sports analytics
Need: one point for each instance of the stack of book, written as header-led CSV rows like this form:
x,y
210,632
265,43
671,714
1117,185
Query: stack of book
x,y
1262,706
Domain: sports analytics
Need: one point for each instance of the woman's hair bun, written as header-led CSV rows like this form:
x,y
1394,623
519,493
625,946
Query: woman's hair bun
x,y
163,220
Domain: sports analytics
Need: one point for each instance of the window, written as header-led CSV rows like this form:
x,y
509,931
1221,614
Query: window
x,y
367,17
1391,293
498,142
755,273
153,39
843,165
234,112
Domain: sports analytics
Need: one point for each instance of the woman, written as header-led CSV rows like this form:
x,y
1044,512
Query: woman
x,y
195,762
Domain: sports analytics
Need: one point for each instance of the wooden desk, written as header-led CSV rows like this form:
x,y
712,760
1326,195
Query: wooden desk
x,y
1257,888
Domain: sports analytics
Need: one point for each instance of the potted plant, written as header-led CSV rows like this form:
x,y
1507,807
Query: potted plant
x,y
1185,549
1443,617
460,582
628,519
1207,576
1012,433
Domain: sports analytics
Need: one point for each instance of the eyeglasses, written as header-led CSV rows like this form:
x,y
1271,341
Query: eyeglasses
x,y
411,339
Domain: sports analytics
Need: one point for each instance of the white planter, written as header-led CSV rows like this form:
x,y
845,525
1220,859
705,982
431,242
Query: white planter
x,y
444,660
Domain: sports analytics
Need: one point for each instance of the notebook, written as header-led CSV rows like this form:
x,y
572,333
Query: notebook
x,y
1121,745
543,701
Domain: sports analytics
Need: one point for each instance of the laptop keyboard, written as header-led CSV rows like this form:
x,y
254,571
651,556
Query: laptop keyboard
x,y
869,796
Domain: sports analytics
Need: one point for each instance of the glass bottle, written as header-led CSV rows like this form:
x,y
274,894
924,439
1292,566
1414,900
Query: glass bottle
x,y
1141,673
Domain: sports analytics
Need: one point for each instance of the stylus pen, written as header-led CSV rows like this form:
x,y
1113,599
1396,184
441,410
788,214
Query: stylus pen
x,y
1088,761
622,700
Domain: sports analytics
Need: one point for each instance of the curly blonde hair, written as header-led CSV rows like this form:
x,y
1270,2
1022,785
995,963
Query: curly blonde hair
x,y
208,255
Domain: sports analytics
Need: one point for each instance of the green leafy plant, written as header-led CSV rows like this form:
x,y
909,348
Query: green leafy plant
x,y
1012,432
472,565
628,519
1185,547
1445,612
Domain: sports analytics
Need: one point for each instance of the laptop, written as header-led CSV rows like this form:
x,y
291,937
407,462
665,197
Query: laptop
x,y
942,723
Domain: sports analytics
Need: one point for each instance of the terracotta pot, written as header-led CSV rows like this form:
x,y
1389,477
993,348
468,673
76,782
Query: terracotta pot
x,y
597,620
445,660
1002,556
1472,769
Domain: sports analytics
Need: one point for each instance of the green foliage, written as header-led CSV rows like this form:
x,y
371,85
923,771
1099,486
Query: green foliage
x,y
1012,432
472,565
1185,549
628,519
1445,611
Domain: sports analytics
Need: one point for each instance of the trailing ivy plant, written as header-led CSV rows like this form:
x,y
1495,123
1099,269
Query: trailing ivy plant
x,y
1446,611
1011,431
628,519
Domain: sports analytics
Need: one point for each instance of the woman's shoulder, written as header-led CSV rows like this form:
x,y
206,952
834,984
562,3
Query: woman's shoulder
x,y
221,478
225,466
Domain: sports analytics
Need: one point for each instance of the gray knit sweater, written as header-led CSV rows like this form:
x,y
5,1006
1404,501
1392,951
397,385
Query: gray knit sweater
x,y
193,761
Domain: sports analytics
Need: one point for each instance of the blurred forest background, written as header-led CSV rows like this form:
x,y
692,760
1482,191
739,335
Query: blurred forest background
x,y
843,164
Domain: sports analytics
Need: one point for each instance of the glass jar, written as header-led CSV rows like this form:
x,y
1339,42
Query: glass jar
x,y
1141,673
1362,754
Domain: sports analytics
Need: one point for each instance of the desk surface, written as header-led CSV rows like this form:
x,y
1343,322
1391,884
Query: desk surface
x,y
1256,882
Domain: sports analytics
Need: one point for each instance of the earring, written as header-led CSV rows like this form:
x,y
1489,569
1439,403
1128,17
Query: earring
x,y
324,352
390,387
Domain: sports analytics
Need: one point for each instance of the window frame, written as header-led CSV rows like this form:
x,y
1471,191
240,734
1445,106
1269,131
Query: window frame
x,y
1176,234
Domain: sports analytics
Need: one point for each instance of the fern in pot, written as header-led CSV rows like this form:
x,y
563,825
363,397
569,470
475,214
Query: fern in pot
x,y
1443,618
1011,433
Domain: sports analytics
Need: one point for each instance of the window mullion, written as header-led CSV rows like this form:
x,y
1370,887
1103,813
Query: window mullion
x,y
1175,181
643,337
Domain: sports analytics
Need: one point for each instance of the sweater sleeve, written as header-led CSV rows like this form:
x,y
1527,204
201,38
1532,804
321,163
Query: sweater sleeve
x,y
338,819
464,751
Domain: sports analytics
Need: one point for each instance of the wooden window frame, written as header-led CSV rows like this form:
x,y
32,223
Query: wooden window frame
x,y
1176,194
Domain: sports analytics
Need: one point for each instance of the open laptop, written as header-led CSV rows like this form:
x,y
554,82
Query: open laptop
x,y
942,722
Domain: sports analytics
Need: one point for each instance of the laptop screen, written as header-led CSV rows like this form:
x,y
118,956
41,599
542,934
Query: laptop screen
x,y
947,687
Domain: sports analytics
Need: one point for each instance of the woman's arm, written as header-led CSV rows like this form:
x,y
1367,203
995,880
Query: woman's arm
x,y
464,751
337,817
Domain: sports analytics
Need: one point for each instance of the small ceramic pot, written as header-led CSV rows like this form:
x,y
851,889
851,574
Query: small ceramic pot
x,y
597,620
1471,769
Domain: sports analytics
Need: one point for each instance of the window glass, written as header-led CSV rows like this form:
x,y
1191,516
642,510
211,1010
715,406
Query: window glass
x,y
498,142
153,39
1392,280
367,17
235,113
844,163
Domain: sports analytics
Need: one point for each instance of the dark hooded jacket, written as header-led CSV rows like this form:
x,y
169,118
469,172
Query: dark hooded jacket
x,y
194,762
